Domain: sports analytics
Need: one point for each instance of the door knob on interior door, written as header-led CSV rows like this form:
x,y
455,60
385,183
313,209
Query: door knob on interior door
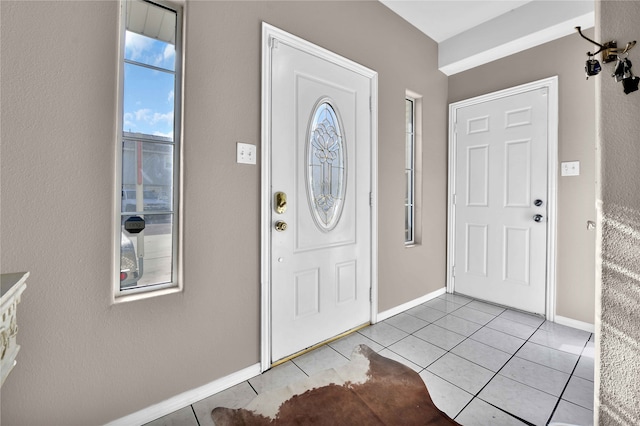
x,y
281,226
537,218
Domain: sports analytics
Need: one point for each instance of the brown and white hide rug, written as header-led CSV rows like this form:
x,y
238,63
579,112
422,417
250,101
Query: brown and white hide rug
x,y
369,390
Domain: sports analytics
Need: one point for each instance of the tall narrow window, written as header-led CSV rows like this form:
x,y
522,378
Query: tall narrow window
x,y
410,155
148,146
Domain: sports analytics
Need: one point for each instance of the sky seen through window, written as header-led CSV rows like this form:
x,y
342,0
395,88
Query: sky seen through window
x,y
149,90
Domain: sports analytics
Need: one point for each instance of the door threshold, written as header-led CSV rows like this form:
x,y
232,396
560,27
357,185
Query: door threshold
x,y
317,345
499,305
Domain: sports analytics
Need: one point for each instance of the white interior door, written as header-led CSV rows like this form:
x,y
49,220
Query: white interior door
x,y
501,200
320,254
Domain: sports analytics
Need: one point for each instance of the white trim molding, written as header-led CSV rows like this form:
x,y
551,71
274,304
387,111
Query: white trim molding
x,y
580,325
187,398
411,304
523,28
551,85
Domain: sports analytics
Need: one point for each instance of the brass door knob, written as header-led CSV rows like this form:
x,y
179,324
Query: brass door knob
x,y
281,226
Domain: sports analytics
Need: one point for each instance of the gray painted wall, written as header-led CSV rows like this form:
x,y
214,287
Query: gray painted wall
x,y
575,292
85,361
618,353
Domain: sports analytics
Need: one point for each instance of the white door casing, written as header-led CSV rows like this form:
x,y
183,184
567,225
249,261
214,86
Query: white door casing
x,y
502,158
318,274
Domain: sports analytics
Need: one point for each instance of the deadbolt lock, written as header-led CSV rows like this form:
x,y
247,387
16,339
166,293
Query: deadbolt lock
x,y
280,202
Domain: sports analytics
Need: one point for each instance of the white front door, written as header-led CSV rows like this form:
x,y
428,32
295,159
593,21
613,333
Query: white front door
x,y
501,200
320,162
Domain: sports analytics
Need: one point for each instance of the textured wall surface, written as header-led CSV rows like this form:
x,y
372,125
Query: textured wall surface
x,y
618,392
84,361
575,285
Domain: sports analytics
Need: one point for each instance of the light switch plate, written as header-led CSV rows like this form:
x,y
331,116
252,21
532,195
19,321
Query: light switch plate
x,y
246,153
570,168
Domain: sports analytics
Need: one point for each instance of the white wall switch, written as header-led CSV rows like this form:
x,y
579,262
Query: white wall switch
x,y
570,168
246,153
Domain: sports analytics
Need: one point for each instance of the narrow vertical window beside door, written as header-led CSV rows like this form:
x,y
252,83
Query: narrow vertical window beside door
x,y
148,142
409,202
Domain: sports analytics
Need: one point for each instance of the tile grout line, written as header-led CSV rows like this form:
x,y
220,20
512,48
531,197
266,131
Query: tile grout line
x,y
449,351
195,415
421,328
567,384
477,395
500,369
252,388
559,398
327,345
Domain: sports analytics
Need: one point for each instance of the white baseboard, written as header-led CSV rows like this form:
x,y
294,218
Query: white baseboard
x,y
411,304
187,398
580,325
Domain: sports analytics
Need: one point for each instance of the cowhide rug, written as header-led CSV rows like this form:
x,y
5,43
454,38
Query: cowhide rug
x,y
369,390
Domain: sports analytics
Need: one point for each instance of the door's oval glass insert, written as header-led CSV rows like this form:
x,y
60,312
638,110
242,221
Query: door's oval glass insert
x,y
326,165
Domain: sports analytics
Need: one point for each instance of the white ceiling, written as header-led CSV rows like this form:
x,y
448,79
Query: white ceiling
x,y
470,33
442,19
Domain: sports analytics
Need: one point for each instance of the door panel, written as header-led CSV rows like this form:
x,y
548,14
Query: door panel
x,y
321,159
476,250
501,168
516,255
517,174
478,176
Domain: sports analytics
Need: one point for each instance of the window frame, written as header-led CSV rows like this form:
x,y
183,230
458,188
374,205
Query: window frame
x,y
413,200
176,284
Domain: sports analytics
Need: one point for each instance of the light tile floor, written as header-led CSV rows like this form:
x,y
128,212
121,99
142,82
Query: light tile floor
x,y
482,364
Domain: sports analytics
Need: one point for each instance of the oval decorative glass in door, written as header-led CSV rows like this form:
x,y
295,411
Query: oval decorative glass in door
x,y
326,157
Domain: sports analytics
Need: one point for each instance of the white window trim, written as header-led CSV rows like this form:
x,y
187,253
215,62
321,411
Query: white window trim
x,y
176,286
417,167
